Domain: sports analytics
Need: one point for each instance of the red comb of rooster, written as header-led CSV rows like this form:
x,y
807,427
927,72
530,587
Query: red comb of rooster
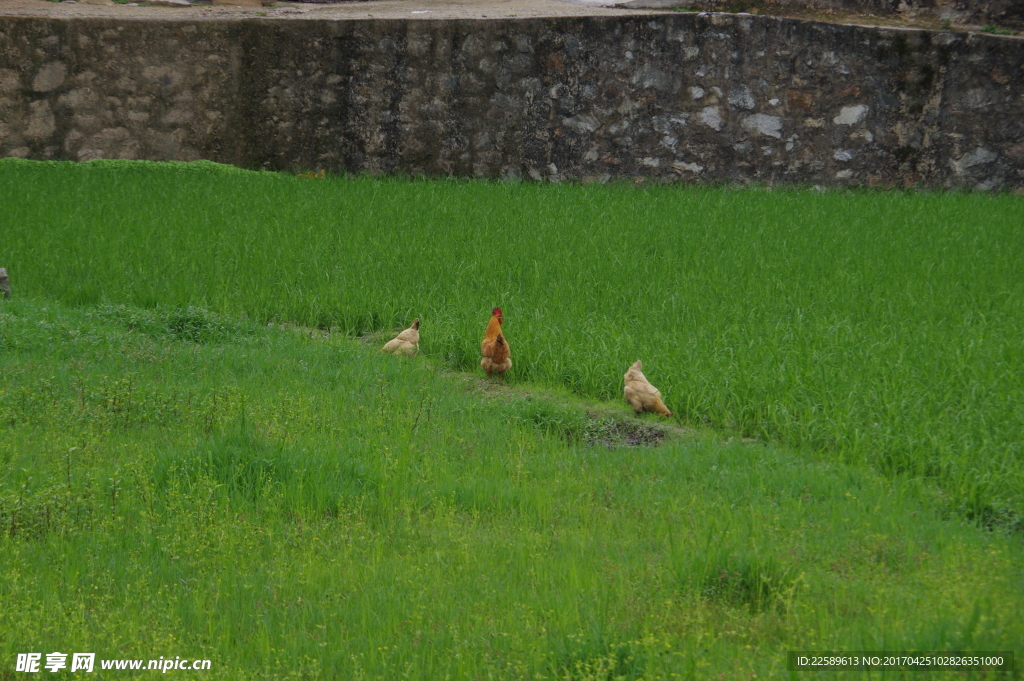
x,y
496,311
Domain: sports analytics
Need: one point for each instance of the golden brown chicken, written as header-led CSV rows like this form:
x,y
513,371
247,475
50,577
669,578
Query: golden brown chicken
x,y
406,343
494,348
640,394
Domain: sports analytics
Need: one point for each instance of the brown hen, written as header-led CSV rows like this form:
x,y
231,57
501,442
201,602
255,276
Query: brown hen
x,y
494,348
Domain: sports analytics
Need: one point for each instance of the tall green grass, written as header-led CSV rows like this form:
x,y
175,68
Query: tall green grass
x,y
873,327
294,506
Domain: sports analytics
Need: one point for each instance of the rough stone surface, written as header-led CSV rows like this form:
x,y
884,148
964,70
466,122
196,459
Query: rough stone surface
x,y
670,96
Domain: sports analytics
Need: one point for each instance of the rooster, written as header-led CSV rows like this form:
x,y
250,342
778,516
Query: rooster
x,y
640,394
494,348
406,343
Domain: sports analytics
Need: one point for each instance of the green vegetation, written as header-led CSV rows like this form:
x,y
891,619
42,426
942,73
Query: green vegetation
x,y
179,478
291,504
870,327
996,29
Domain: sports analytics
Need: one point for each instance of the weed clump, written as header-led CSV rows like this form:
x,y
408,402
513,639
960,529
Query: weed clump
x,y
188,324
995,29
587,659
745,579
564,421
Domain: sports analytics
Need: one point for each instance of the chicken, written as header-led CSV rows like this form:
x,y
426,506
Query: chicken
x,y
640,394
494,348
406,343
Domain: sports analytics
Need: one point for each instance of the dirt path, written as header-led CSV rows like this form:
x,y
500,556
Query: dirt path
x,y
372,9
410,9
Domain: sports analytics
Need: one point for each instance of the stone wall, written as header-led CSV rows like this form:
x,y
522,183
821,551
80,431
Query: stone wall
x,y
672,96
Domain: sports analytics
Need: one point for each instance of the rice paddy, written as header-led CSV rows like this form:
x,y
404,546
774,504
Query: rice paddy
x,y
879,328
179,478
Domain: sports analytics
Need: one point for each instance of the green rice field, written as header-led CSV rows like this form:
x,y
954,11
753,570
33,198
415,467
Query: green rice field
x,y
203,454
873,327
